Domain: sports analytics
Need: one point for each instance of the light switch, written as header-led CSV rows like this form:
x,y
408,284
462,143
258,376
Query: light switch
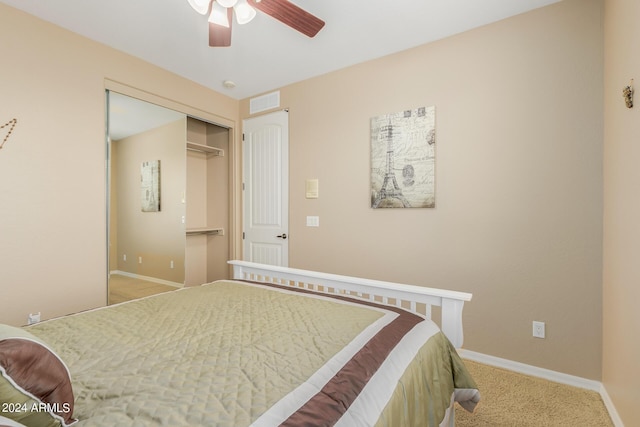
x,y
312,189
313,221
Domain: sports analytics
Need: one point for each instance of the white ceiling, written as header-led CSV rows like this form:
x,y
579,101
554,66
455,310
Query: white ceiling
x,y
265,54
129,116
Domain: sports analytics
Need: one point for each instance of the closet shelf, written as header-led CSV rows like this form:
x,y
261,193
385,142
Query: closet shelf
x,y
211,151
212,231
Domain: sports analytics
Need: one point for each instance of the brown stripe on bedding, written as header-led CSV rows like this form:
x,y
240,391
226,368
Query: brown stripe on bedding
x,y
341,391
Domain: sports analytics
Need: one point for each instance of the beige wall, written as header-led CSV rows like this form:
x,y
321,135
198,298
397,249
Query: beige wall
x,y
158,238
518,214
53,251
519,177
621,350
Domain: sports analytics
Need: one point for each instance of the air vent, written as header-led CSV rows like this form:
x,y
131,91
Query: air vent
x,y
264,102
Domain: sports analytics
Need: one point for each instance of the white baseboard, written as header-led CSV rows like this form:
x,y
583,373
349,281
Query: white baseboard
x,y
148,278
546,374
615,417
531,370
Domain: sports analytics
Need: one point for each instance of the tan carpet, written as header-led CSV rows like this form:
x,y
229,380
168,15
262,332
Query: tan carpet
x,y
512,399
123,288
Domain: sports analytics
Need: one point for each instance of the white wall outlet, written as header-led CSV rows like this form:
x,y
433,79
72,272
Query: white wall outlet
x,y
33,318
171,264
313,221
124,257
538,329
139,260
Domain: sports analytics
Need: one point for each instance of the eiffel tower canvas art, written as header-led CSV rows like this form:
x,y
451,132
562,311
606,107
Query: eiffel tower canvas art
x,y
403,159
150,186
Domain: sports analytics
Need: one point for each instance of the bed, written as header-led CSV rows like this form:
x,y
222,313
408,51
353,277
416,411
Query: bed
x,y
274,346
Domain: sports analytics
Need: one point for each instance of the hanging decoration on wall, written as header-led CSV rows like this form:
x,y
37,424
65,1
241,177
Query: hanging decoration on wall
x,y
627,92
11,124
150,186
403,159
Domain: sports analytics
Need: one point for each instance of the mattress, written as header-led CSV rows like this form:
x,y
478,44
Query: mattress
x,y
235,353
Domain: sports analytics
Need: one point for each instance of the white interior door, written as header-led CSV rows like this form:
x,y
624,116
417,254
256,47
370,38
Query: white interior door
x,y
266,189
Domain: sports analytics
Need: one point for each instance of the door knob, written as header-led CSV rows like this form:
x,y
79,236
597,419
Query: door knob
x,y
282,236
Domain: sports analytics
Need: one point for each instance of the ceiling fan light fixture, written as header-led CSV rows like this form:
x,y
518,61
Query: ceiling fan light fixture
x,y
227,3
244,12
200,6
219,15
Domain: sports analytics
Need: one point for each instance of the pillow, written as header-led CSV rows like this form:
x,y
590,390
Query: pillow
x,y
35,386
6,422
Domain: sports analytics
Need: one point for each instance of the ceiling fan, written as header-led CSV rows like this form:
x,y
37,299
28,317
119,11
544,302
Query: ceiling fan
x,y
221,16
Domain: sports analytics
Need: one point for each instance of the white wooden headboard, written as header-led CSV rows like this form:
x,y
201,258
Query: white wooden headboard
x,y
409,297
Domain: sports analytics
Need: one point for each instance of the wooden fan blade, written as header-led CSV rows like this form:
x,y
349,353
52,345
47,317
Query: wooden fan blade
x,y
220,36
291,15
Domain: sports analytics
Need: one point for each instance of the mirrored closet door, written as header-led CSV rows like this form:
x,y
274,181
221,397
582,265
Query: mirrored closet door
x,y
147,182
